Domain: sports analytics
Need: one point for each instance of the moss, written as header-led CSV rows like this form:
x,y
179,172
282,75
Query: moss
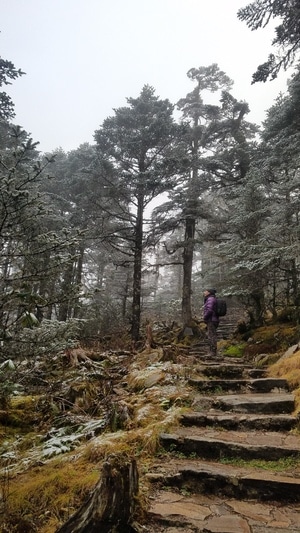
x,y
27,403
271,339
280,465
235,350
16,419
276,337
21,412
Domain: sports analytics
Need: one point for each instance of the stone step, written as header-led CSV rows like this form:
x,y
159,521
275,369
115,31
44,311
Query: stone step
x,y
203,358
254,385
201,345
272,403
182,511
234,421
253,421
213,444
231,481
225,331
256,373
230,371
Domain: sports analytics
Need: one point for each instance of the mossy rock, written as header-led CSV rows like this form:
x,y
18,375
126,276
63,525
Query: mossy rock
x,y
276,336
264,360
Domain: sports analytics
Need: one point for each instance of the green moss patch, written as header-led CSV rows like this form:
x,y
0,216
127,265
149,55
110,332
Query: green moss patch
x,y
235,350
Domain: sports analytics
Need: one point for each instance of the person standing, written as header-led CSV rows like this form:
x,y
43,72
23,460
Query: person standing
x,y
211,319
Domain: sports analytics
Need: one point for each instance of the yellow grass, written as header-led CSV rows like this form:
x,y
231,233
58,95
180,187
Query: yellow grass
x,y
289,369
59,486
56,489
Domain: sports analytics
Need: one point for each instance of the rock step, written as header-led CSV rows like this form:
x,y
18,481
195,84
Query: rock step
x,y
173,511
272,403
231,371
203,357
249,385
233,421
213,444
225,331
230,481
252,424
200,347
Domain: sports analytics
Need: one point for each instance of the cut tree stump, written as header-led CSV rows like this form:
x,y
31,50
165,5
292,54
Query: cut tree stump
x,y
76,355
149,338
110,507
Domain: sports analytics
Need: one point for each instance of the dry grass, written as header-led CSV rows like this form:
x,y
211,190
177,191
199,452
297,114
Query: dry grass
x,y
289,368
47,495
142,442
51,491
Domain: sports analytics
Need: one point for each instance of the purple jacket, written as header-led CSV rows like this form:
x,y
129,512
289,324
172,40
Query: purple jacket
x,y
209,313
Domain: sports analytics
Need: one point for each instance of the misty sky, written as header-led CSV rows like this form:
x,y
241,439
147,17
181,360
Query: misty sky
x,y
83,58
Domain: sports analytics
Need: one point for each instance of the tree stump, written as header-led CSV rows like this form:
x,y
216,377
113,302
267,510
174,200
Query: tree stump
x,y
149,337
110,507
74,355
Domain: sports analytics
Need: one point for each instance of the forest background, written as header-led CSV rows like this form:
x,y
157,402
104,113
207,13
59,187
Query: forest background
x,y
84,256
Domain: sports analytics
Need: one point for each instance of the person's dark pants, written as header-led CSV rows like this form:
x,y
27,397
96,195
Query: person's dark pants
x,y
212,337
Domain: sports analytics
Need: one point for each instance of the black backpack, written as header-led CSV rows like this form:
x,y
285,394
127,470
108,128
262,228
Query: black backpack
x,y
221,307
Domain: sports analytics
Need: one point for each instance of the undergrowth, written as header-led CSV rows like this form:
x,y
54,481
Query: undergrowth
x,y
46,495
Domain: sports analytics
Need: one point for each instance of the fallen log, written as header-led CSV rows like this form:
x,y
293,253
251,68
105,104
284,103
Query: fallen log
x,y
110,507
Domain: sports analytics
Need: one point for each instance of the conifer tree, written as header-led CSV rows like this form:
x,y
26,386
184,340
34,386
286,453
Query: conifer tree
x,y
216,156
134,147
257,15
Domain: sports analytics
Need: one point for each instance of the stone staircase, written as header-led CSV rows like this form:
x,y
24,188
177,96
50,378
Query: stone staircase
x,y
226,329
207,480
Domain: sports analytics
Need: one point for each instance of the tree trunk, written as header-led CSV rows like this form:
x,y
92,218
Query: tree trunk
x,y
110,508
66,290
79,279
188,253
137,272
125,296
190,226
257,309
